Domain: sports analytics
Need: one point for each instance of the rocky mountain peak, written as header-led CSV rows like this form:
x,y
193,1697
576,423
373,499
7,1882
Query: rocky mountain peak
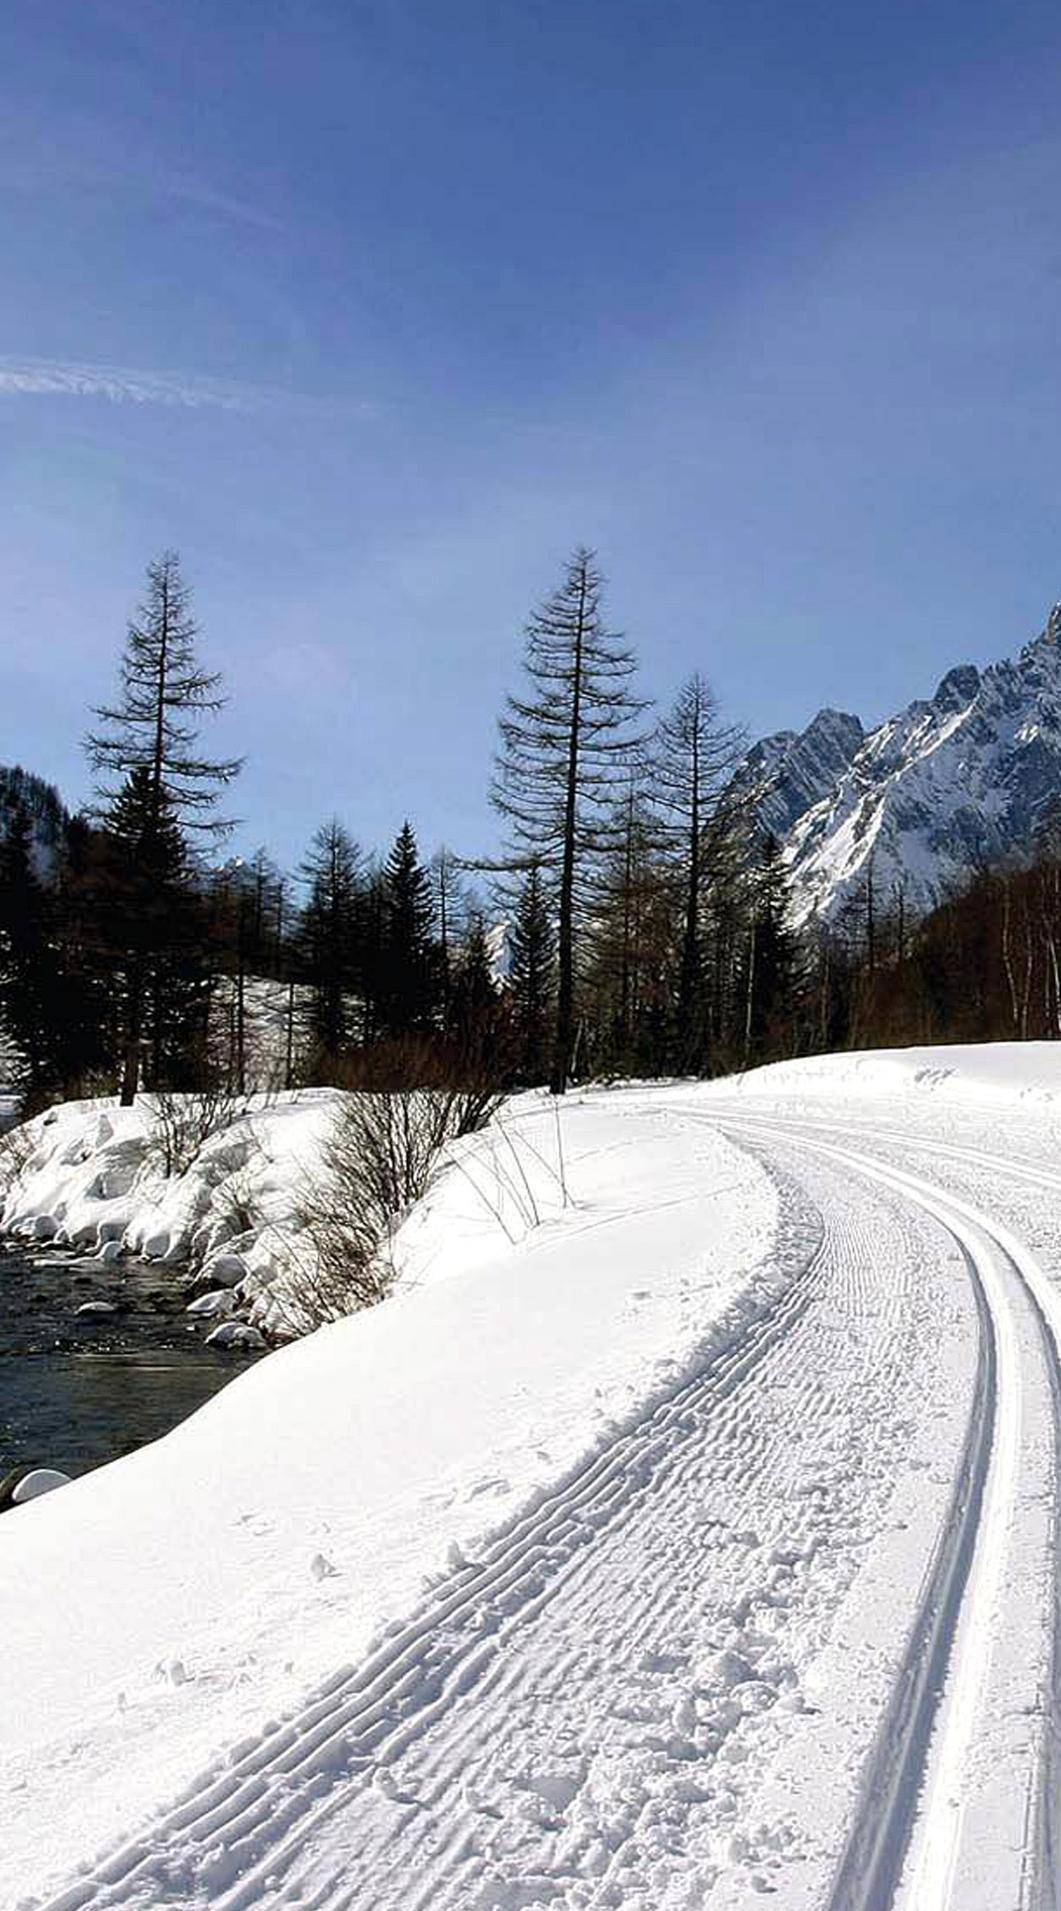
x,y
937,791
958,688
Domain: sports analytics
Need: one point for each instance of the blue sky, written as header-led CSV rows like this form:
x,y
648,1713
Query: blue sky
x,y
374,310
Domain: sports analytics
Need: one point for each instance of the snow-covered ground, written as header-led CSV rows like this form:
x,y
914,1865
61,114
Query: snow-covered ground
x,y
94,1176
682,1538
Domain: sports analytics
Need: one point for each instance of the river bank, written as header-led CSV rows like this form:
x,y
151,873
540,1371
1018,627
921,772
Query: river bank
x,y
79,1388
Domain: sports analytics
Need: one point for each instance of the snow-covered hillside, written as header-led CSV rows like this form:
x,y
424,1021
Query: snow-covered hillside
x,y
968,777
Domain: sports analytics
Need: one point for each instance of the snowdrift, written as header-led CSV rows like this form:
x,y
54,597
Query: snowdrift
x,y
999,1075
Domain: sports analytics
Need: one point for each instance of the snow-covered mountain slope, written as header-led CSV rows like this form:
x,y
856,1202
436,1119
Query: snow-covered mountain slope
x,y
966,778
791,771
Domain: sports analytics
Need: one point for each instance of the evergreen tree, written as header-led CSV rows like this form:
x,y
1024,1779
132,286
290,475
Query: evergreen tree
x,y
29,983
773,963
151,784
331,936
532,977
564,748
409,983
475,1008
152,933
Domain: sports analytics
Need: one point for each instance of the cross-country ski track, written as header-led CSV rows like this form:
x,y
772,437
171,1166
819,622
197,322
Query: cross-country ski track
x,y
795,1632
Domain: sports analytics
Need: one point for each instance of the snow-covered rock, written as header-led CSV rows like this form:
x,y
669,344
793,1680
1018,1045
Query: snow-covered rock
x,y
790,771
236,1333
33,1485
213,1305
225,1270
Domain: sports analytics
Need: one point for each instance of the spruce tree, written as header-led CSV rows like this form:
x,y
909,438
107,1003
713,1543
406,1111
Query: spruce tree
x,y
532,977
409,985
564,747
152,932
475,1004
29,981
330,937
151,785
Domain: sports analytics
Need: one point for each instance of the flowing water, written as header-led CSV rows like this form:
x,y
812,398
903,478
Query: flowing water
x,y
79,1389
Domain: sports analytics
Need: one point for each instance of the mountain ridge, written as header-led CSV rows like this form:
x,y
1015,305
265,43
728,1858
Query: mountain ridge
x,y
964,779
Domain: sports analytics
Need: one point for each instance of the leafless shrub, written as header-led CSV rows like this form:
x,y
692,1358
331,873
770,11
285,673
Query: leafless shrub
x,y
183,1123
16,1152
501,1181
383,1151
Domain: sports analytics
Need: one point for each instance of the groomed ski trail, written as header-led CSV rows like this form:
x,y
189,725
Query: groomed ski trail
x,y
581,1717
959,1801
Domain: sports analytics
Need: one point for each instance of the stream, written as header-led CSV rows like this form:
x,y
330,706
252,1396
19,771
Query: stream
x,y
79,1389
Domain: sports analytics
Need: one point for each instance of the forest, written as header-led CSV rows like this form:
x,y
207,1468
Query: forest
x,y
635,921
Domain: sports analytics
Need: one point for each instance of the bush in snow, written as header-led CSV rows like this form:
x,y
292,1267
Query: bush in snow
x,y
16,1151
182,1124
384,1147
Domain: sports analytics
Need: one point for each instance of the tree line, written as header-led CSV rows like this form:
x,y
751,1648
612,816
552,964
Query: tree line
x,y
634,922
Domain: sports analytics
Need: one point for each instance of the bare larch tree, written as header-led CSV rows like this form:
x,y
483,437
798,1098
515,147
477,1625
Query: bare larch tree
x,y
565,745
164,690
694,758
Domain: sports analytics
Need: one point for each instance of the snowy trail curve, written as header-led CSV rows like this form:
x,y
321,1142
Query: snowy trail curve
x,y
796,1630
579,1718
936,1829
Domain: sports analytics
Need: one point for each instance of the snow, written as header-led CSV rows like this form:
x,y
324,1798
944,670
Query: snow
x,y
378,1446
975,1076
94,1179
681,1530
935,793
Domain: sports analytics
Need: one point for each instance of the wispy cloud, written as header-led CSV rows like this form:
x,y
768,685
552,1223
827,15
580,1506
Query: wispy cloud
x,y
26,377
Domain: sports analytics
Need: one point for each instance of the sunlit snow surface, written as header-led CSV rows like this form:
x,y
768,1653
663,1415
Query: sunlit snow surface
x,y
584,1571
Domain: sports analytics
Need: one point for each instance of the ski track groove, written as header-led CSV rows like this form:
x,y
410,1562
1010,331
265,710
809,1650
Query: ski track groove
x,y
885,1827
416,1826
420,1784
239,1798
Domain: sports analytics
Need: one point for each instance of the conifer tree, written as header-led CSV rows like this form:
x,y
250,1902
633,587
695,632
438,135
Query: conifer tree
x,y
475,1000
151,785
532,977
773,961
153,726
694,756
630,946
152,932
564,747
330,937
28,975
409,986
